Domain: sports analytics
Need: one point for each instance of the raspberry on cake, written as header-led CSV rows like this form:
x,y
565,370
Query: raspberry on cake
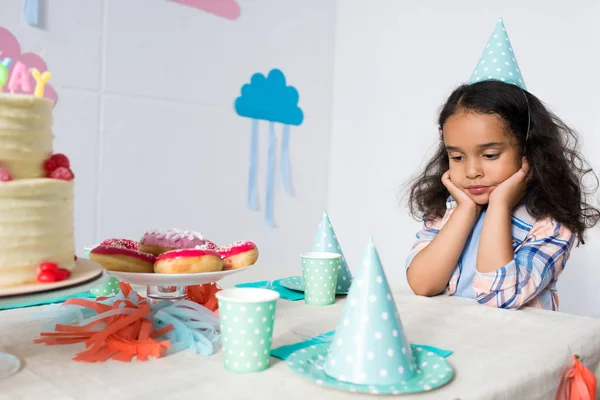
x,y
5,175
58,167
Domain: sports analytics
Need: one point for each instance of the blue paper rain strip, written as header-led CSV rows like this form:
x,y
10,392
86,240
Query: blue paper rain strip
x,y
253,170
6,62
285,160
270,176
31,12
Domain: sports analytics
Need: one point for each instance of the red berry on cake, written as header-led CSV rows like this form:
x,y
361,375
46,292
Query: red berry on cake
x,y
50,272
5,175
56,161
62,173
49,166
62,274
61,160
48,267
46,277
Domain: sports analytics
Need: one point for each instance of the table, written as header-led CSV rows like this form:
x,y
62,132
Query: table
x,y
498,354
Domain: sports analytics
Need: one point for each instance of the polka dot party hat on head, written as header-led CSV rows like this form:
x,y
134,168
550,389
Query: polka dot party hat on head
x,y
326,241
498,61
369,346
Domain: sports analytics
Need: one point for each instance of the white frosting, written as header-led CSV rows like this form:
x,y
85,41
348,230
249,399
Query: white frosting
x,y
25,134
36,225
36,213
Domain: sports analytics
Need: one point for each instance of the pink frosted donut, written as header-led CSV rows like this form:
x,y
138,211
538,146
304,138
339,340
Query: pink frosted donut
x,y
238,255
158,241
122,243
188,261
123,259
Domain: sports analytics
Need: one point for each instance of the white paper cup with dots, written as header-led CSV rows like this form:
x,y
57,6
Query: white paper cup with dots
x,y
320,273
247,319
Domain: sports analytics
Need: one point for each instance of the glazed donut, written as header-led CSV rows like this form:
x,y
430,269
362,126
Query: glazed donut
x,y
238,255
115,258
157,241
188,261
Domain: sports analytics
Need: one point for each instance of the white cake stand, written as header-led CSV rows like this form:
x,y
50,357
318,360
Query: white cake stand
x,y
86,275
171,287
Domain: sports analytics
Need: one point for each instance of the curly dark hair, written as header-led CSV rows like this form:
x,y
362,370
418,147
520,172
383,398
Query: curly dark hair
x,y
556,189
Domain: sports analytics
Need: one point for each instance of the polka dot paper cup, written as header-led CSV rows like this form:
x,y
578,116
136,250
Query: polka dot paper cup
x,y
247,319
87,251
107,289
320,273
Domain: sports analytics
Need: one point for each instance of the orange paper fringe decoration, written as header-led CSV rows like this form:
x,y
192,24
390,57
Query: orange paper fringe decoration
x,y
126,333
205,295
578,383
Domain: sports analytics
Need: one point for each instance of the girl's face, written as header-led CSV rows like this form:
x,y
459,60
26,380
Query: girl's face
x,y
481,152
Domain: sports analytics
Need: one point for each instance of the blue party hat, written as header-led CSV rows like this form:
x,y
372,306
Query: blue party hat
x,y
326,240
498,61
369,346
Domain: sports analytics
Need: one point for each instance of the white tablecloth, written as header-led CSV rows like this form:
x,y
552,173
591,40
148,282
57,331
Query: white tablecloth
x,y
498,354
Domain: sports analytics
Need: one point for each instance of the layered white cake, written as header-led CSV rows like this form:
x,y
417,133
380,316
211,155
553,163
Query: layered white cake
x,y
36,193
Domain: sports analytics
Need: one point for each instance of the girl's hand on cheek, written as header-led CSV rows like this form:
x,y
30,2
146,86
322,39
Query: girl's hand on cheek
x,y
459,196
511,191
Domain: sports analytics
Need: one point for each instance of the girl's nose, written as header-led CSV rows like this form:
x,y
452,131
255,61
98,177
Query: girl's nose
x,y
473,170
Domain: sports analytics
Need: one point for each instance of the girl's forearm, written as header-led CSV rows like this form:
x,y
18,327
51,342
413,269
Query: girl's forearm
x,y
495,245
431,269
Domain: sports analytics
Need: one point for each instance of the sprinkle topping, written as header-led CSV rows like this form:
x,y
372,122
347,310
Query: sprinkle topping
x,y
122,243
235,248
173,238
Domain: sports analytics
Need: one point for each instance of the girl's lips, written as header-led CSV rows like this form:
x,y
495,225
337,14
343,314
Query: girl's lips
x,y
478,189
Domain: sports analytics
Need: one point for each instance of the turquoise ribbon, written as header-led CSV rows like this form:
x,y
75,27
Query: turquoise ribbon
x,y
284,292
283,352
25,304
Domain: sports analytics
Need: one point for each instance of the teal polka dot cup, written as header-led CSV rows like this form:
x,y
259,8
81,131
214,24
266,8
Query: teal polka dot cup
x,y
87,251
247,319
320,273
109,288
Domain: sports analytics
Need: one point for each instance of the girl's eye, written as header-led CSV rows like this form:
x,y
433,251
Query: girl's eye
x,y
456,158
491,156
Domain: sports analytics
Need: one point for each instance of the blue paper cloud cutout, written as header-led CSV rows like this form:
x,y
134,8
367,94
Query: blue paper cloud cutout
x,y
269,98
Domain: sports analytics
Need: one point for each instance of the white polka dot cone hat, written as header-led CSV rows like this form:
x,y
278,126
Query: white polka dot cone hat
x,y
326,240
498,61
369,346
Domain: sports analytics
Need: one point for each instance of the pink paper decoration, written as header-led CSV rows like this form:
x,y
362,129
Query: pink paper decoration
x,y
10,47
229,9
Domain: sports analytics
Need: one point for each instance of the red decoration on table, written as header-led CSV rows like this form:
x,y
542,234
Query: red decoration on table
x,y
126,332
578,383
205,295
123,330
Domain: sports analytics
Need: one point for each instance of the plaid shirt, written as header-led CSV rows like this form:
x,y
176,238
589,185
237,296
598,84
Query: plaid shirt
x,y
542,248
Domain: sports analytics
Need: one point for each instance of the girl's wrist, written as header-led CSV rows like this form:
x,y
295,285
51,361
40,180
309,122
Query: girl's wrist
x,y
468,210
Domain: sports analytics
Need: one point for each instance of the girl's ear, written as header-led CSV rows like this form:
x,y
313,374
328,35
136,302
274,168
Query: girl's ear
x,y
525,167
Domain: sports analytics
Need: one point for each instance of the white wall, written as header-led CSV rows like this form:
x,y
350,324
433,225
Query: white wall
x,y
156,75
395,64
138,77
